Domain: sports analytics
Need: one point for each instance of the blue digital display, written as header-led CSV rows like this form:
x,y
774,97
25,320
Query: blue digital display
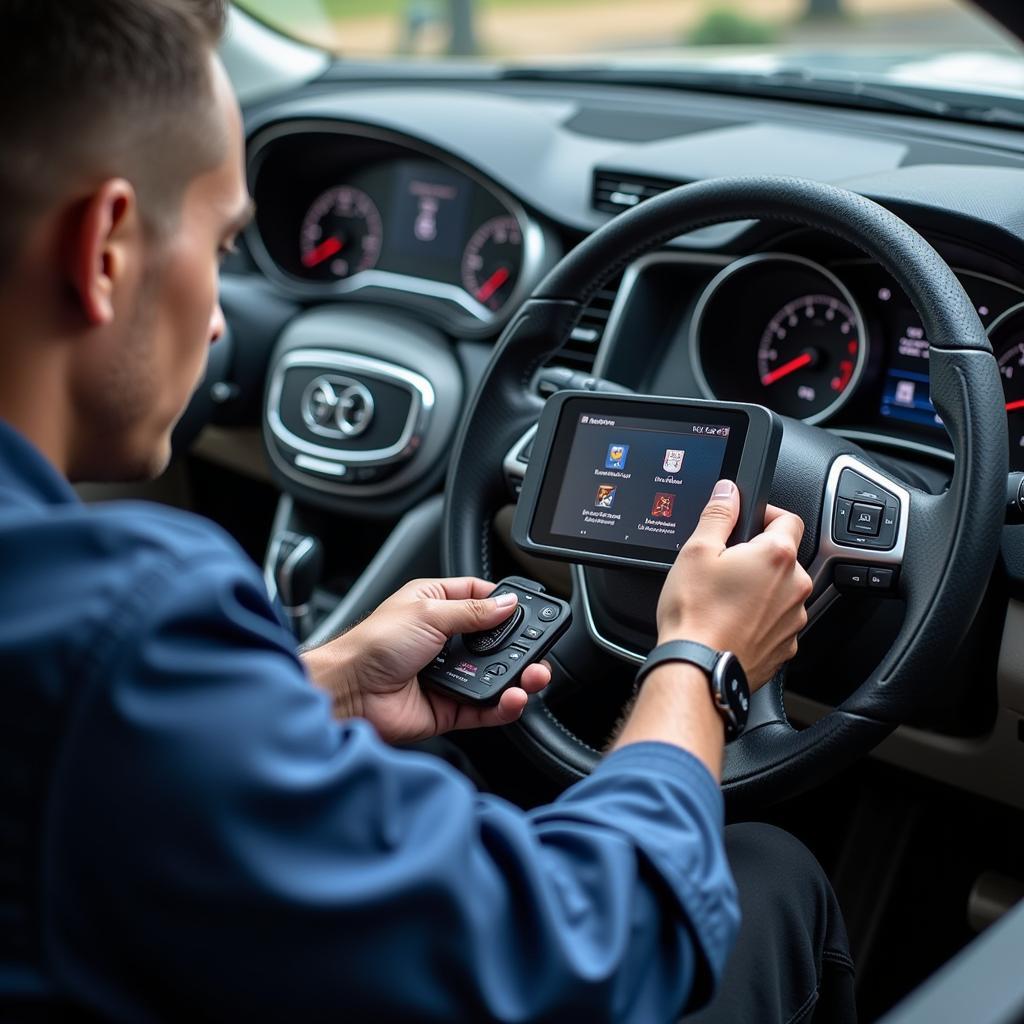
x,y
906,391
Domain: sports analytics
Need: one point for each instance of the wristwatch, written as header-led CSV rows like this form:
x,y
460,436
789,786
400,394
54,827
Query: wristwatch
x,y
728,681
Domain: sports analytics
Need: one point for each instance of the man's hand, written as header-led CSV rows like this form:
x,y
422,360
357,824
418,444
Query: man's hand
x,y
748,599
370,671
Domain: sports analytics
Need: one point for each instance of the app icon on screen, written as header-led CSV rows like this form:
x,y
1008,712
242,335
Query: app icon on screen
x,y
673,460
905,392
605,496
663,505
616,457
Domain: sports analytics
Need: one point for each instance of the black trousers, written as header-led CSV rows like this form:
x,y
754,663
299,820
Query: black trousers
x,y
791,963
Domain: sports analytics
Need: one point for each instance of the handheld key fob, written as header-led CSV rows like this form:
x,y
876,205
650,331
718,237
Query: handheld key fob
x,y
476,668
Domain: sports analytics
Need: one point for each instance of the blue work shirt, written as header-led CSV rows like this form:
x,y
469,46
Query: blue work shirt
x,y
191,832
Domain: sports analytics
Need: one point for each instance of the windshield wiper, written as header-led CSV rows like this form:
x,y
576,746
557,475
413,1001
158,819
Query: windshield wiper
x,y
874,95
785,83
924,101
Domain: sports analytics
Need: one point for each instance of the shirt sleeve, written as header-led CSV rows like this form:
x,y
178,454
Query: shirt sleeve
x,y
216,840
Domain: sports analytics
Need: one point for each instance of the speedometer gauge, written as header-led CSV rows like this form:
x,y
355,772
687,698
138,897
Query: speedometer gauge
x,y
807,354
490,263
341,234
780,330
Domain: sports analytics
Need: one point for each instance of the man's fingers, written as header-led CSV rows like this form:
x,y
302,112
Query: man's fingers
x,y
536,677
510,706
719,516
461,588
786,525
508,709
771,513
471,614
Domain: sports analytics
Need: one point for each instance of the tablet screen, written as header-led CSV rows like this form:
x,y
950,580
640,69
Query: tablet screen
x,y
633,484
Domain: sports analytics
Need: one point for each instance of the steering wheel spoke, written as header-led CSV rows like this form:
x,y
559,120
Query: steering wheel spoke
x,y
862,535
517,459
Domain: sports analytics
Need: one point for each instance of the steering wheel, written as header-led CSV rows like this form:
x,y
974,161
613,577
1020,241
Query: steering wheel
x,y
945,544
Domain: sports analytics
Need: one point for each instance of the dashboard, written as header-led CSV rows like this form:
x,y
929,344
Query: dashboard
x,y
344,210
443,205
840,342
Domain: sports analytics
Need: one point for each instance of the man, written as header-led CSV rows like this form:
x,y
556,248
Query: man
x,y
194,823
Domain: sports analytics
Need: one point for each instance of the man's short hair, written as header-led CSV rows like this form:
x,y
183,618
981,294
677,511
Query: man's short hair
x,y
93,89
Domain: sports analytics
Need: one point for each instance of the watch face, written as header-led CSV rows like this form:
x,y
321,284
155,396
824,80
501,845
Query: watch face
x,y
733,688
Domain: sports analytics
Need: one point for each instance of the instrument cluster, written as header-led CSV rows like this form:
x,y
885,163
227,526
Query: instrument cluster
x,y
342,213
841,343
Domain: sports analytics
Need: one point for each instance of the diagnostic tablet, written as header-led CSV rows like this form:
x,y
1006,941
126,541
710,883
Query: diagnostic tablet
x,y
622,479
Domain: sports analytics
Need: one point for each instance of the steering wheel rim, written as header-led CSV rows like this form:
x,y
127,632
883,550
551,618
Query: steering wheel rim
x,y
951,540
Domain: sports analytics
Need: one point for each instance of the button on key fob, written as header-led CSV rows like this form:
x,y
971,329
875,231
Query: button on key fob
x,y
491,639
476,668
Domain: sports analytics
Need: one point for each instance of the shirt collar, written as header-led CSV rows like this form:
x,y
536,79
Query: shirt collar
x,y
25,471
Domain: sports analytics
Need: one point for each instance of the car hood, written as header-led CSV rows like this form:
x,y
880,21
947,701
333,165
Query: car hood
x,y
1009,14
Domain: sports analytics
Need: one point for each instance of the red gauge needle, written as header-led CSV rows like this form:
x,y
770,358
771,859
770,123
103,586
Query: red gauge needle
x,y
492,284
1013,406
325,250
787,368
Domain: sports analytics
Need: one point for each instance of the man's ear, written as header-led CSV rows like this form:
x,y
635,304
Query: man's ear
x,y
99,246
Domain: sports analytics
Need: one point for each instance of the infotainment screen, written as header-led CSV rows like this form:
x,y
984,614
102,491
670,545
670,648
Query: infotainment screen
x,y
624,479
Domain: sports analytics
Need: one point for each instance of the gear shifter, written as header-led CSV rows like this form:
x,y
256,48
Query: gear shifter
x,y
297,568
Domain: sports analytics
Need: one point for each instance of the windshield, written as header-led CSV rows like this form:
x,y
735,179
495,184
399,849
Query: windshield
x,y
938,44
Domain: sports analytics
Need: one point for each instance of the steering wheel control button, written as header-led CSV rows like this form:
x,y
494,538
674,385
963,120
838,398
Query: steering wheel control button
x,y
842,519
887,532
476,668
880,579
493,639
866,515
856,487
851,577
865,518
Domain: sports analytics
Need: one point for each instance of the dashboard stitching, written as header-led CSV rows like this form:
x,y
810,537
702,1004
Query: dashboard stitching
x,y
780,683
485,549
532,366
572,736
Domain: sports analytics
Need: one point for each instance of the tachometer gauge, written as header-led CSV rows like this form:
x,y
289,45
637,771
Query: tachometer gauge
x,y
807,355
341,234
491,261
780,330
1007,337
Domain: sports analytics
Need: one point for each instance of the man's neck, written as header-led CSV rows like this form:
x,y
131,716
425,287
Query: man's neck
x,y
35,402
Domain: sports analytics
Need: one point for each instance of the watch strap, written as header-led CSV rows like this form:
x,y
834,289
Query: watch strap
x,y
709,660
690,651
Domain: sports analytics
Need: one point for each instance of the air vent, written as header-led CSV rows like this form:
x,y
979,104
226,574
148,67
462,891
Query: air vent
x,y
614,193
581,348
